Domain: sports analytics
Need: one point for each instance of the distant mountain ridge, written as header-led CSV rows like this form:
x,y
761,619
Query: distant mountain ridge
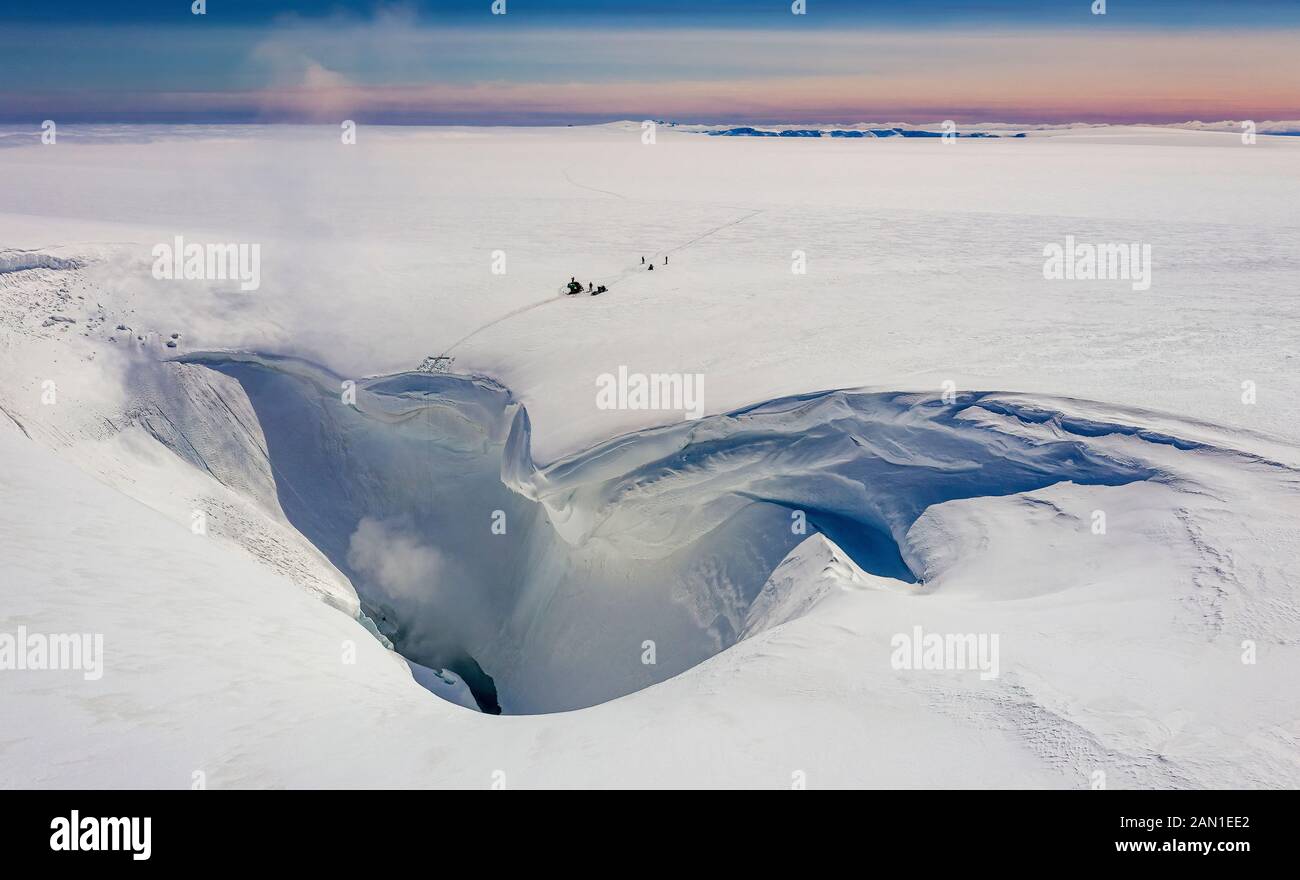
x,y
964,130
747,131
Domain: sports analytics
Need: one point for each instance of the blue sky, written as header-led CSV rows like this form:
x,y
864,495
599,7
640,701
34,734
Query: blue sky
x,y
583,60
680,13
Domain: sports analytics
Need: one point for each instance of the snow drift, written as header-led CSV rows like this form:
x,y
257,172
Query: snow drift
x,y
542,587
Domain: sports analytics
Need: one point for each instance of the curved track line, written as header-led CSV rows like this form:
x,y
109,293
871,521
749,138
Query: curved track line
x,y
626,273
505,317
591,188
712,231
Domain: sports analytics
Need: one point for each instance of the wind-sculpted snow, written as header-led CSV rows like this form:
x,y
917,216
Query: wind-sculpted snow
x,y
20,261
547,583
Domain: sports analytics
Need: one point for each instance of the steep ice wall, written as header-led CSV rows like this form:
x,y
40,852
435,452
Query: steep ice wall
x,y
13,260
553,588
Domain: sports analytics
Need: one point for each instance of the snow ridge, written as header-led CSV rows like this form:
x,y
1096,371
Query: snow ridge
x,y
21,261
674,534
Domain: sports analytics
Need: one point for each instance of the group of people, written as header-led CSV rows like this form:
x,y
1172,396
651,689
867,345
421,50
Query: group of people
x,y
575,286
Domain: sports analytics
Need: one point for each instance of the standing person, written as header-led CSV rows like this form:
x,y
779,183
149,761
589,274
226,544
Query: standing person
x,y
665,259
588,287
643,261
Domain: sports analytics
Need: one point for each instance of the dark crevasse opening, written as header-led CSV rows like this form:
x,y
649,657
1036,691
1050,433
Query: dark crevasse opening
x,y
479,682
445,654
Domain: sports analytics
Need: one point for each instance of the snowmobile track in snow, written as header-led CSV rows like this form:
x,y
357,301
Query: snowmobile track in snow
x,y
626,273
591,188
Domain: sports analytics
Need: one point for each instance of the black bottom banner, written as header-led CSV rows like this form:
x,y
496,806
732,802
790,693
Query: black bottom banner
x,y
334,829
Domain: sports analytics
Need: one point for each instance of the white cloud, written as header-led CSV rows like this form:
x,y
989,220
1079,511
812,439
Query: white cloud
x,y
395,559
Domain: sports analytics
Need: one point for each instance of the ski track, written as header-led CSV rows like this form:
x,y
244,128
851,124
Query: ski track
x,y
591,188
626,273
